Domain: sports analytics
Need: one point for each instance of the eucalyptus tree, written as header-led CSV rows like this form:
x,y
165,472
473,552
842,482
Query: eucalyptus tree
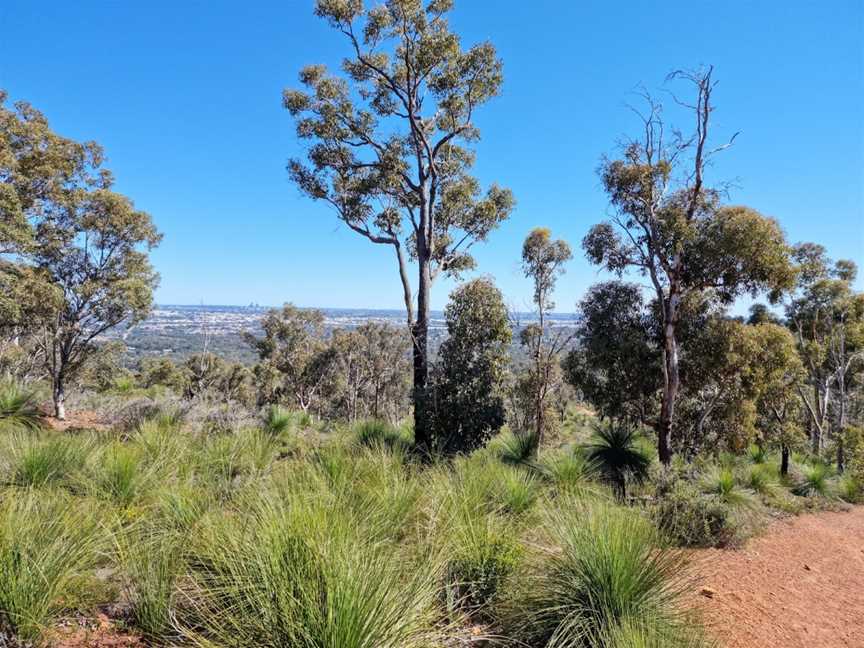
x,y
827,317
543,261
75,252
297,359
389,147
670,225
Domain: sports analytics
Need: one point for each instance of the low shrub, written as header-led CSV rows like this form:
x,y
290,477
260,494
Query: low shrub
x,y
295,571
692,519
604,578
518,447
19,408
813,481
40,462
46,541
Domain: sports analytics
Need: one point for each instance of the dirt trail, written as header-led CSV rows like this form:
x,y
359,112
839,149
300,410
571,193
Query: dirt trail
x,y
798,585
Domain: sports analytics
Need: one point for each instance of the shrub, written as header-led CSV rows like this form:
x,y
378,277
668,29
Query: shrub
x,y
721,483
569,472
483,550
761,479
151,559
120,474
757,454
277,421
294,571
40,462
605,576
691,519
19,408
45,542
850,490
813,481
519,447
380,434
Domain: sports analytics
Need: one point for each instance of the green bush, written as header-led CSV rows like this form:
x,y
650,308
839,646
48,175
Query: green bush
x,y
19,409
518,447
692,519
152,559
604,578
813,481
294,571
46,541
39,462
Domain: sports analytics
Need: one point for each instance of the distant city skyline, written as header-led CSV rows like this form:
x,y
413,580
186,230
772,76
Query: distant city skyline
x,y
186,100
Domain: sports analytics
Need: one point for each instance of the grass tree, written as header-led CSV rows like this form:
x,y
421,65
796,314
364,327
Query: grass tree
x,y
389,147
614,453
670,225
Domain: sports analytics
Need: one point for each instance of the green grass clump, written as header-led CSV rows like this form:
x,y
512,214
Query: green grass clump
x,y
721,483
757,454
46,541
152,558
373,434
850,490
122,474
55,460
604,579
518,447
19,409
813,481
277,421
762,479
296,571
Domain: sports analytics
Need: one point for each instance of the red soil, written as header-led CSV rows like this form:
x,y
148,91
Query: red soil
x,y
799,585
79,419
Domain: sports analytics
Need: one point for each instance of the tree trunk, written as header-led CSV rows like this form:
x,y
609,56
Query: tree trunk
x,y
784,460
670,392
419,342
59,398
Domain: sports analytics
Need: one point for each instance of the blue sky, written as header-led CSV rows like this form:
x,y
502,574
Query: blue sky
x,y
185,98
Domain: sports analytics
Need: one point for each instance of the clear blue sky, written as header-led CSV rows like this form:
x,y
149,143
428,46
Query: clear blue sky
x,y
185,98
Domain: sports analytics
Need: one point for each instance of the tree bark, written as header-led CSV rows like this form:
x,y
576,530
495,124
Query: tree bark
x,y
784,460
419,342
59,398
670,390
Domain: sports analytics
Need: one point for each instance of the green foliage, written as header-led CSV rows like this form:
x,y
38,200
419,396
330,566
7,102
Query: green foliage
x,y
606,576
482,549
380,434
615,365
614,453
55,460
722,484
519,447
813,481
46,541
121,475
277,421
691,519
467,407
756,454
152,559
850,490
18,407
302,572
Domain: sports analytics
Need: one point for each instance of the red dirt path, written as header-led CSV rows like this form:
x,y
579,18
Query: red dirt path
x,y
798,585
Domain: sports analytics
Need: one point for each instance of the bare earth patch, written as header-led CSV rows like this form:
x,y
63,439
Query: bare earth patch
x,y
83,419
799,585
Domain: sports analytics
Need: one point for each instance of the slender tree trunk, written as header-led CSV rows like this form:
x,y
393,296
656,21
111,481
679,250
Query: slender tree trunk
x,y
841,423
670,392
784,460
419,340
59,391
